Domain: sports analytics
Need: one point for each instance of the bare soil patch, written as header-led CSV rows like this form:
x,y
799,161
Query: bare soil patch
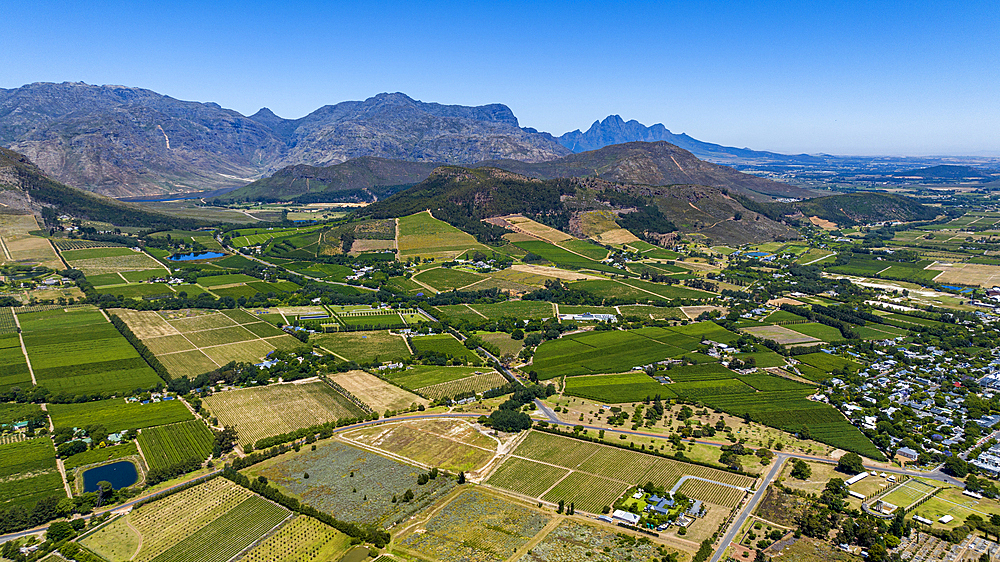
x,y
823,223
967,273
377,393
693,312
779,334
552,272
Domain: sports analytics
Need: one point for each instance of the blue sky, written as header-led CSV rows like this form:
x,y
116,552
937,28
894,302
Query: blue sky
x,y
849,77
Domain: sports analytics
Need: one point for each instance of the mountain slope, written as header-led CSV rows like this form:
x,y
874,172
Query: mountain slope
x,y
125,141
363,179
24,187
464,197
614,130
658,163
863,208
651,163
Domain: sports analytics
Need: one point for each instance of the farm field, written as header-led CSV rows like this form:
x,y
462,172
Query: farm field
x,y
262,412
424,236
117,415
502,341
780,334
818,331
365,497
829,362
446,345
452,445
476,525
23,247
13,365
99,261
416,377
78,352
168,445
101,455
364,347
563,257
619,351
444,279
522,310
573,540
612,389
211,522
303,539
594,467
375,392
190,342
28,472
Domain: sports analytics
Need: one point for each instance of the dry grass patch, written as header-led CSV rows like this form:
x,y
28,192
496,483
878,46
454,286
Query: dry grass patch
x,y
187,363
779,334
377,393
17,246
967,273
279,408
537,229
693,312
145,324
372,246
168,344
551,272
204,322
453,445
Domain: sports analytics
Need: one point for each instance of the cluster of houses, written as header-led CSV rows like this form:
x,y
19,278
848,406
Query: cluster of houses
x,y
915,382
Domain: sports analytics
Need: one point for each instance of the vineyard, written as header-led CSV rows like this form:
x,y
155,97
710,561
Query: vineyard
x,y
162,524
302,539
712,493
601,470
28,472
511,476
262,412
475,383
616,389
366,497
228,535
7,324
169,445
588,492
13,366
476,526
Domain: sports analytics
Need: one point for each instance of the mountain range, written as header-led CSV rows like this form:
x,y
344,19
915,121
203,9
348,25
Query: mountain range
x,y
124,141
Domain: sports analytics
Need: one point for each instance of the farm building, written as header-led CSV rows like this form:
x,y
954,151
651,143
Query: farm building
x,y
856,478
908,453
588,317
623,516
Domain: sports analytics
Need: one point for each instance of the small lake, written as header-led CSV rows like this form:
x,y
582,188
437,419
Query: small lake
x,y
192,257
121,474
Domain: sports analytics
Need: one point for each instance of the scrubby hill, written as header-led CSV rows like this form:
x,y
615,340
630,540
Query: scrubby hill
x,y
364,179
651,163
24,187
861,208
464,197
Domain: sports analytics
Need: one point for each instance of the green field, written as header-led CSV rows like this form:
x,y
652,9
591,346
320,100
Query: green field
x,y
101,455
562,257
817,330
444,344
612,389
13,366
419,376
444,279
364,347
619,351
829,362
117,415
522,310
422,235
636,290
167,445
231,279
78,352
28,473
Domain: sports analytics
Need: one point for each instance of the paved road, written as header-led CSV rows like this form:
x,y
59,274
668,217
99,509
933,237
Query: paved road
x,y
749,507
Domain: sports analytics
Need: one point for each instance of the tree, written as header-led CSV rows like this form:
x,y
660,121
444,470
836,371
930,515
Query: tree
x,y
561,506
956,466
850,463
800,469
461,478
60,531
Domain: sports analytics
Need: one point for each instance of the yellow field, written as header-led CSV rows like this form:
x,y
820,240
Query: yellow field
x,y
421,235
453,445
377,393
17,246
537,229
967,274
